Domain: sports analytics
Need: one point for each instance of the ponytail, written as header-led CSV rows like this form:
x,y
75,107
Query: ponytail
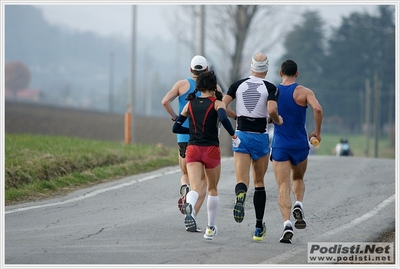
x,y
192,95
218,95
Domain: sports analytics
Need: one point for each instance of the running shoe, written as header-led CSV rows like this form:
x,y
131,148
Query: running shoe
x,y
298,214
260,233
184,189
190,221
287,235
238,209
198,230
210,232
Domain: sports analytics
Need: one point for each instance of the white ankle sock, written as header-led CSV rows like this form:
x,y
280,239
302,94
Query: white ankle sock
x,y
287,223
299,203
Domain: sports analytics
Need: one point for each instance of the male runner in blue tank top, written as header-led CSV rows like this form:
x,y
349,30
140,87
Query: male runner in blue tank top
x,y
256,100
290,146
181,89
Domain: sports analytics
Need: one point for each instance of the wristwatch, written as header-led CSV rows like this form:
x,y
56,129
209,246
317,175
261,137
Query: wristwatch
x,y
174,119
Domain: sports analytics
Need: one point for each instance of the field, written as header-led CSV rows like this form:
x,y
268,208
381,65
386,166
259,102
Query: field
x,y
48,120
22,118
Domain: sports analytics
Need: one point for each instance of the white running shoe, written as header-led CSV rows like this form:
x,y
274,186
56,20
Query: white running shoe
x,y
210,232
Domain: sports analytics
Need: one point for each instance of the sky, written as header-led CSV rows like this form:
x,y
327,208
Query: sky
x,y
153,20
116,19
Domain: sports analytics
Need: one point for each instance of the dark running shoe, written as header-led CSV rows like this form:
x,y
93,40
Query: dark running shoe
x,y
298,214
238,209
287,235
260,233
184,189
190,221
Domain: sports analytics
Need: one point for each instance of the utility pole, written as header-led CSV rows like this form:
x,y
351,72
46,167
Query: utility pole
x,y
111,94
376,113
202,23
367,115
133,72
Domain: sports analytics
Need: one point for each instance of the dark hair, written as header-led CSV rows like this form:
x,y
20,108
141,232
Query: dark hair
x,y
289,68
206,81
198,72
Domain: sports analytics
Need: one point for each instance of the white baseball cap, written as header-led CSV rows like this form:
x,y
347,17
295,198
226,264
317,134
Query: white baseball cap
x,y
198,63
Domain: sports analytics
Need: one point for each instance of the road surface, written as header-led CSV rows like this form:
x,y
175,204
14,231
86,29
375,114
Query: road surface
x,y
136,220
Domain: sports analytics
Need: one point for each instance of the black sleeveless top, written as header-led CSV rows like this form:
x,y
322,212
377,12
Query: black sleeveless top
x,y
203,122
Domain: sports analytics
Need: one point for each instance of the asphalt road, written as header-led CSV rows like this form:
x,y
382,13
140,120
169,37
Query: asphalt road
x,y
135,220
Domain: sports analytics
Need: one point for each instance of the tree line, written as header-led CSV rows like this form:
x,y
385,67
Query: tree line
x,y
337,63
339,67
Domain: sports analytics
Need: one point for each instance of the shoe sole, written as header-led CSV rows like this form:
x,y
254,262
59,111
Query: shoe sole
x,y
190,222
262,235
238,212
300,223
238,209
198,230
182,200
286,237
184,190
258,238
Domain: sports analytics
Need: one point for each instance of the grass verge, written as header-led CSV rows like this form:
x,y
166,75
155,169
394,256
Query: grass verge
x,y
38,166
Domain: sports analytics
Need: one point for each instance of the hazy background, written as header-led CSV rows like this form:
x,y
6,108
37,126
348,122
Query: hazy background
x,y
79,56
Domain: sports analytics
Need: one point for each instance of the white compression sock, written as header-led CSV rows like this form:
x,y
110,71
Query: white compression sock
x,y
212,209
191,198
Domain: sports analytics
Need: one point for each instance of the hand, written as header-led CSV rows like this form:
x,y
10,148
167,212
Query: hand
x,y
280,120
236,142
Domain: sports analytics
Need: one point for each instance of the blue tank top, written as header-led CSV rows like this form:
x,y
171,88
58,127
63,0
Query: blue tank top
x,y
181,104
292,133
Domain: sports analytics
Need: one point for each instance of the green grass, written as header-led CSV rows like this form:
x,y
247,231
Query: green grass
x,y
386,149
41,166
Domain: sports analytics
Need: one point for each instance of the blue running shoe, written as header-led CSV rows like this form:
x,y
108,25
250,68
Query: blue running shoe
x,y
238,209
260,233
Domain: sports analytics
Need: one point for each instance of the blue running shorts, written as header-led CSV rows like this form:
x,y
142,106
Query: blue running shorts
x,y
295,156
254,144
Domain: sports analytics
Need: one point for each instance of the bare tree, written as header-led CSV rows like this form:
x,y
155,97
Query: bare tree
x,y
233,33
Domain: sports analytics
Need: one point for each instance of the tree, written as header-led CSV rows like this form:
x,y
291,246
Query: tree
x,y
234,33
17,76
360,46
305,45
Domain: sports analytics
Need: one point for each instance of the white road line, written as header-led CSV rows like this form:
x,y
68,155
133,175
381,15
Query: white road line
x,y
93,193
295,251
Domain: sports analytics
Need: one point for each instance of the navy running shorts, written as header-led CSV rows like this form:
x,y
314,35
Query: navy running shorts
x,y
295,156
